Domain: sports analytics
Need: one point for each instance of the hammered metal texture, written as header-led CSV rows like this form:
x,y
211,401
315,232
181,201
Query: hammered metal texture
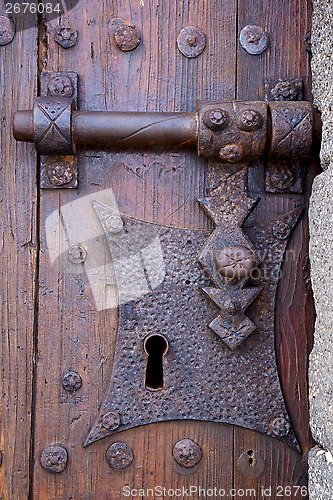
x,y
203,378
241,135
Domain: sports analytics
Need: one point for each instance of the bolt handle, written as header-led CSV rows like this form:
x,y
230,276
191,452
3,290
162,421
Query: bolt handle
x,y
233,131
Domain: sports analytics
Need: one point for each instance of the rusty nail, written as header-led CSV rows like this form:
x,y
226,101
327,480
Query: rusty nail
x,y
231,153
60,174
235,262
77,254
65,36
7,30
191,41
114,224
284,91
71,381
280,427
187,453
54,458
60,86
119,456
281,230
249,120
111,421
251,464
127,37
216,119
254,39
283,177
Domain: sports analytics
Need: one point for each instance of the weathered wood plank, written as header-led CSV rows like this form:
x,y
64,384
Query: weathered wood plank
x,y
156,186
18,257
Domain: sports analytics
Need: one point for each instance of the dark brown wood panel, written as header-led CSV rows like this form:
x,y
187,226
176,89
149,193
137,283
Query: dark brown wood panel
x,y
18,253
155,186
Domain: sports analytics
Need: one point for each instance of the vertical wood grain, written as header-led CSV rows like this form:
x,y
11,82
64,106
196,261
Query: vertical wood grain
x,y
156,186
18,253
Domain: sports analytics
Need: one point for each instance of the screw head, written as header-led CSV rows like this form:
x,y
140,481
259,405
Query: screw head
x,y
187,453
249,120
284,91
191,41
231,153
111,421
216,119
65,36
54,458
60,86
281,230
77,254
254,39
114,224
7,30
60,174
71,381
127,37
119,456
280,427
235,262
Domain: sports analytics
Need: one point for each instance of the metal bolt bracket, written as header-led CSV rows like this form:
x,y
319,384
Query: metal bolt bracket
x,y
187,453
7,30
65,36
54,458
119,456
71,381
191,41
254,39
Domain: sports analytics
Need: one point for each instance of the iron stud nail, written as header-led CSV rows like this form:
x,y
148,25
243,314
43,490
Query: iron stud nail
x,y
77,254
54,458
60,86
127,37
216,119
231,153
119,456
7,30
65,36
71,381
280,427
187,453
249,120
254,39
111,421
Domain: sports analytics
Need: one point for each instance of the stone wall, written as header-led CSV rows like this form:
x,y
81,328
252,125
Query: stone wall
x,y
321,257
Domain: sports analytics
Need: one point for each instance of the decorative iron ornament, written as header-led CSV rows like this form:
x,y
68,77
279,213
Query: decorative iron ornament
x,y
183,305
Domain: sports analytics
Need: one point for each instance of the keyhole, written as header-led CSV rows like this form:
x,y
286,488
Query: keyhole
x,y
252,459
155,346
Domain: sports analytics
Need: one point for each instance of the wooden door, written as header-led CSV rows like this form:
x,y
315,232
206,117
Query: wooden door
x,y
245,409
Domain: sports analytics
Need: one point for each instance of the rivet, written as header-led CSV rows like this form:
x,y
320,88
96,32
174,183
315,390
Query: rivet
x,y
127,37
60,86
216,119
231,153
191,41
71,381
187,453
65,36
119,456
254,39
114,224
7,30
60,174
284,91
233,307
280,427
281,230
77,254
235,262
251,464
54,458
249,120
283,177
111,421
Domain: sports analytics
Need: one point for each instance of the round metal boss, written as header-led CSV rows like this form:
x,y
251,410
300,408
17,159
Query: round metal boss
x,y
7,30
254,39
191,41
235,262
119,456
187,453
54,458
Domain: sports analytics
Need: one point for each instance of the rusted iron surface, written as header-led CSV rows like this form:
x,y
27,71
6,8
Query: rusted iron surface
x,y
254,39
191,41
127,37
59,84
66,36
290,89
187,453
119,456
244,126
178,309
54,458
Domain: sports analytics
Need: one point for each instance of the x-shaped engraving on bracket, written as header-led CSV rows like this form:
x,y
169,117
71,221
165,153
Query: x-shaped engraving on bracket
x,y
48,118
296,123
